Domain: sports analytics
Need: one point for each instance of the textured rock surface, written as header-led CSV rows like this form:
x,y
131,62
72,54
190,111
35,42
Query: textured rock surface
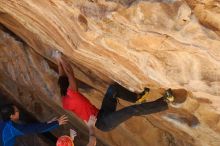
x,y
159,43
207,12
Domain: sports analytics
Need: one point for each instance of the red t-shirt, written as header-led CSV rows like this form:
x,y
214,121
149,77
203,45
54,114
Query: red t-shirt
x,y
79,104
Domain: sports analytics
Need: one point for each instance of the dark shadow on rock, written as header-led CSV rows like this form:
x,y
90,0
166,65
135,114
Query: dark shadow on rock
x,y
189,120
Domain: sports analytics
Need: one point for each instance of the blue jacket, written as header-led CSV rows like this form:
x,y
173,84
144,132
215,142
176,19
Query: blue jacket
x,y
10,130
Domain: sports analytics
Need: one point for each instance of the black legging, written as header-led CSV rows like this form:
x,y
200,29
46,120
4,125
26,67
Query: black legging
x,y
108,118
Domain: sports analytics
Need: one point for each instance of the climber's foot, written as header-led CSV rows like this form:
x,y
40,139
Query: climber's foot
x,y
143,95
175,96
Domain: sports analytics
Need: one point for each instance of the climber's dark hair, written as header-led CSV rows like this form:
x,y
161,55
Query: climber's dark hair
x,y
6,111
63,82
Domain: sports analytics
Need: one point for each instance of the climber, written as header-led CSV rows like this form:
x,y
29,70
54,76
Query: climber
x,y
10,127
107,117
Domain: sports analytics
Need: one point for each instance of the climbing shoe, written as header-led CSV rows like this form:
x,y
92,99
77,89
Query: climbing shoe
x,y
143,95
168,96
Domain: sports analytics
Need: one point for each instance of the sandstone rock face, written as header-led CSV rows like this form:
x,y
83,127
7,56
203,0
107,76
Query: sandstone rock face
x,y
207,12
154,43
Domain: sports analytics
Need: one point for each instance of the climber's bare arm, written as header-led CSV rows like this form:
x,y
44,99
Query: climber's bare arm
x,y
91,126
92,141
70,74
60,69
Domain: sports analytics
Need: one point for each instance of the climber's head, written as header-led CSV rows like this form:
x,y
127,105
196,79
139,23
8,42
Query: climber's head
x,y
64,84
9,112
65,141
